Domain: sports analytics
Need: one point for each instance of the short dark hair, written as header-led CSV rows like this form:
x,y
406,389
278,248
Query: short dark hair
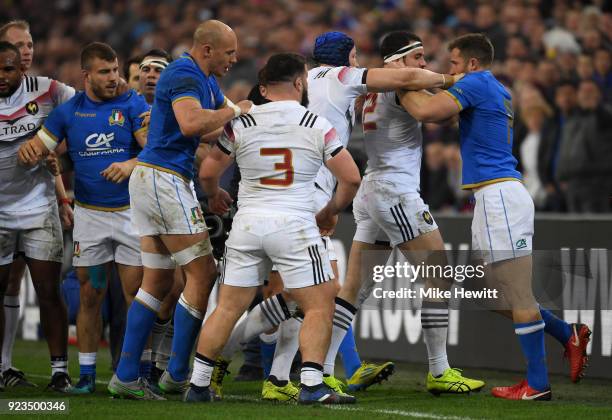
x,y
96,50
394,41
157,52
136,59
283,67
21,24
476,46
256,97
7,46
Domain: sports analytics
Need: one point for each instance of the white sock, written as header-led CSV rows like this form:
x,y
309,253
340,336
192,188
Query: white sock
x,y
158,333
146,355
287,345
162,355
59,364
434,321
311,374
11,322
265,316
343,317
87,358
202,370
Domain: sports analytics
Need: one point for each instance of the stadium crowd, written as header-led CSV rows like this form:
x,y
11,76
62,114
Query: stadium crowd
x,y
555,55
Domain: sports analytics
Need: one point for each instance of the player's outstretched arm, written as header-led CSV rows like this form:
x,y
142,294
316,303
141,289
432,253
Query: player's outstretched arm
x,y
211,169
437,108
383,80
343,167
194,121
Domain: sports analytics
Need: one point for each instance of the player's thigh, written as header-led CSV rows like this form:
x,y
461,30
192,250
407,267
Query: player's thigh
x,y
164,204
158,266
513,278
502,227
92,237
319,297
93,283
16,274
235,300
245,263
298,251
274,284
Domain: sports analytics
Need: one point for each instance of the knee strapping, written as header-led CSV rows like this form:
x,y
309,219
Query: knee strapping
x,y
192,252
158,261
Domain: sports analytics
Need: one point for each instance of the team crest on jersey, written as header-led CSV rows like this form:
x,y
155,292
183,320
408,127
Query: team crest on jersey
x,y
427,217
116,118
31,108
196,216
77,249
521,243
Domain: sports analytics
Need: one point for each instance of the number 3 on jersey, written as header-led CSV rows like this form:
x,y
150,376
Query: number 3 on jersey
x,y
369,122
286,165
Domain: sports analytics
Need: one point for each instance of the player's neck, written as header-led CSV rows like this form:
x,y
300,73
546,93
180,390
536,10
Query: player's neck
x,y
202,64
281,96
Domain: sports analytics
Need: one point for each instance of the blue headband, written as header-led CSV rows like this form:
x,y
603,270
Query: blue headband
x,y
333,48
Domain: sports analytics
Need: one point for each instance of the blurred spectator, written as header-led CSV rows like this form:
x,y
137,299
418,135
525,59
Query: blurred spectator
x,y
550,145
603,73
584,169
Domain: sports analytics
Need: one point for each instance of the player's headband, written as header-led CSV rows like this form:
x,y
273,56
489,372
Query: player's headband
x,y
158,62
404,51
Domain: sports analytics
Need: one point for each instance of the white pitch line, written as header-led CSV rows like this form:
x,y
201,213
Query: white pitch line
x,y
401,413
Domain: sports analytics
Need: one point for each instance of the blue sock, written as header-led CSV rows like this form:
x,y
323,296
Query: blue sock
x,y
558,328
87,370
267,356
140,319
187,324
531,336
348,352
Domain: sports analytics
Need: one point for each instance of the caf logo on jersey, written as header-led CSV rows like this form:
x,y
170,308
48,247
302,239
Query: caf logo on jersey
x,y
31,108
116,118
427,217
77,249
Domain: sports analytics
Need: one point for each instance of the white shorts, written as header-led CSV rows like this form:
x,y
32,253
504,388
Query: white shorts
x,y
163,203
321,198
38,236
103,236
293,244
502,227
380,212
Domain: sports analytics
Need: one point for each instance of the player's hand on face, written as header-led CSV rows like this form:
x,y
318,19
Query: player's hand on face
x,y
245,106
122,86
29,154
52,164
118,172
146,118
220,202
66,215
326,221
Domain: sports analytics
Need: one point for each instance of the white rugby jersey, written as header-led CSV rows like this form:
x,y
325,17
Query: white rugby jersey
x,y
21,115
331,94
279,148
393,142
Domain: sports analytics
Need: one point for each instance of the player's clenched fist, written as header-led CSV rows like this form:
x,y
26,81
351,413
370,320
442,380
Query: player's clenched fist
x,y
220,202
326,221
30,153
118,172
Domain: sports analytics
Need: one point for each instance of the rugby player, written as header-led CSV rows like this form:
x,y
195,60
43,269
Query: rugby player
x,y
279,148
188,104
502,228
29,217
103,134
389,212
17,32
150,68
334,85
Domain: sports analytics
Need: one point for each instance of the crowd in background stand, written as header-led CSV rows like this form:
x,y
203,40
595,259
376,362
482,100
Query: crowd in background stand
x,y
554,56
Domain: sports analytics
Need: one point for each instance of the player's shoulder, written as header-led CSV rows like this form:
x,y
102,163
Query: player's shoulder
x,y
38,84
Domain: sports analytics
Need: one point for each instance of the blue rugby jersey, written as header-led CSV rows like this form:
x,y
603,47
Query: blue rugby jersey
x,y
485,127
98,134
167,149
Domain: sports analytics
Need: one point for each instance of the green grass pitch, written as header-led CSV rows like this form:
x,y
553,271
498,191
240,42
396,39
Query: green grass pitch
x,y
402,397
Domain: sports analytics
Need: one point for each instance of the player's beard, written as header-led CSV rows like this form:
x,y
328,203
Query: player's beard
x,y
304,101
102,92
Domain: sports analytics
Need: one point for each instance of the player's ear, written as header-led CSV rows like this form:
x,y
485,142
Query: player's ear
x,y
85,73
298,84
207,50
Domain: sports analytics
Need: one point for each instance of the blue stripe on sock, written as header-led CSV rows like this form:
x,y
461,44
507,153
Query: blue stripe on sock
x,y
349,354
267,357
186,329
140,320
